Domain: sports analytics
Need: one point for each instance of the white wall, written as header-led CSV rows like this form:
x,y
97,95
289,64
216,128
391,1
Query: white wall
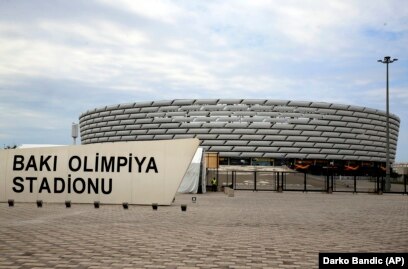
x,y
170,157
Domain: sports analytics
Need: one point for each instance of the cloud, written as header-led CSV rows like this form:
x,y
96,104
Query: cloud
x,y
19,117
66,58
223,41
95,32
164,11
71,50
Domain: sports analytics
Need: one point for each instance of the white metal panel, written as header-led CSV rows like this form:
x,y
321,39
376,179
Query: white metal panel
x,y
214,124
236,142
205,101
317,139
229,136
267,149
297,138
220,148
310,150
274,155
221,131
206,136
212,142
244,148
296,155
259,143
336,140
154,131
252,137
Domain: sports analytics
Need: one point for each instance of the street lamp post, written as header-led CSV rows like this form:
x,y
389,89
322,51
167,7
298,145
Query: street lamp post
x,y
74,131
387,60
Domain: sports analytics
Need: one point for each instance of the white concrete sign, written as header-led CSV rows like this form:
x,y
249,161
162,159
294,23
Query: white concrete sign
x,y
143,172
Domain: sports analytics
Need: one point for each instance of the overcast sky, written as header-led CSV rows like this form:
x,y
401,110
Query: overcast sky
x,y
60,58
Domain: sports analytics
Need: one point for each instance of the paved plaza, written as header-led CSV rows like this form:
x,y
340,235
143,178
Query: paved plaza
x,y
250,230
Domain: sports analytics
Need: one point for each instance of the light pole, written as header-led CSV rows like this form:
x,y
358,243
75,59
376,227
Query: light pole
x,y
387,60
74,131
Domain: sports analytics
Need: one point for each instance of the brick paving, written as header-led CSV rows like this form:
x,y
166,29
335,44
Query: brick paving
x,y
250,230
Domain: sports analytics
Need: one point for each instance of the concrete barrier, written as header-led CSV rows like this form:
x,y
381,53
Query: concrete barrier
x,y
229,191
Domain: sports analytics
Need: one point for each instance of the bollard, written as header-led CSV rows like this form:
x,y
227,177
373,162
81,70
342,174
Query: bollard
x,y
183,208
68,204
125,206
230,192
330,190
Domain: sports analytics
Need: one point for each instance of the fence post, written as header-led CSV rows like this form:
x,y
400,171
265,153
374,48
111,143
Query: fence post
x,y
227,178
381,185
355,184
280,183
304,182
332,183
255,181
329,189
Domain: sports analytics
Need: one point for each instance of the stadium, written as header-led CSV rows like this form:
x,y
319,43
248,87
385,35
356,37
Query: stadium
x,y
312,137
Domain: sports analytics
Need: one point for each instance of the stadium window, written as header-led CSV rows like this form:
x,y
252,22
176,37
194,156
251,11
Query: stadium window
x,y
240,161
223,161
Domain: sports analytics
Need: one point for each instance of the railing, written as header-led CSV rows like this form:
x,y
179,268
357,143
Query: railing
x,y
297,181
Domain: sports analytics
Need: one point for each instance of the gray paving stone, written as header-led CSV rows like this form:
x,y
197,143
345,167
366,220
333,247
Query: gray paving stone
x,y
250,230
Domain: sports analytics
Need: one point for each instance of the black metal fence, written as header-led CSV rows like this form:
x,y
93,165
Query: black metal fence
x,y
297,181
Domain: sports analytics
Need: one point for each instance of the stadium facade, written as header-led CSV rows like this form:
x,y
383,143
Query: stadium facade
x,y
303,135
